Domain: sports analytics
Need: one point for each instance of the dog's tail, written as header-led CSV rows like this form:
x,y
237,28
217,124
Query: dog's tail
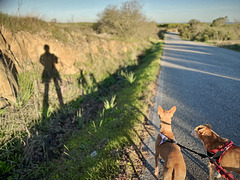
x,y
179,172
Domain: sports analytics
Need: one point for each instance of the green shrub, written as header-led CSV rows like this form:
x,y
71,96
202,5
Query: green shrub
x,y
217,31
219,21
125,21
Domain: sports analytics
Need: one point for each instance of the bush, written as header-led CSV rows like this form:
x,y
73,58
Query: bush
x,y
184,32
219,21
125,21
214,32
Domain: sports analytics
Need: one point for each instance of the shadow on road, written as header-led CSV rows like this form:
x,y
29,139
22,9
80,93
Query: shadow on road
x,y
203,82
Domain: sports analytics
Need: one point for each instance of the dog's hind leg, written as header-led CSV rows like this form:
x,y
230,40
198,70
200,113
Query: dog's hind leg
x,y
167,173
179,172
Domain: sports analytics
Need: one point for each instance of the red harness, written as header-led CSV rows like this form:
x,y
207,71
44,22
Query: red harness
x,y
215,157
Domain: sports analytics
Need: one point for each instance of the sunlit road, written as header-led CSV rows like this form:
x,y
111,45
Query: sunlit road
x,y
203,82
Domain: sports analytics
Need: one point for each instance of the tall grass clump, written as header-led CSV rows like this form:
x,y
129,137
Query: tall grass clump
x,y
129,76
25,83
110,104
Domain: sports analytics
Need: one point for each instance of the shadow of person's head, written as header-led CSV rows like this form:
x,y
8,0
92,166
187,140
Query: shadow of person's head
x,y
46,48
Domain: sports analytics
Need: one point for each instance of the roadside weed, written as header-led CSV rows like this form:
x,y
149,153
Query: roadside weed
x,y
79,118
111,104
129,76
25,91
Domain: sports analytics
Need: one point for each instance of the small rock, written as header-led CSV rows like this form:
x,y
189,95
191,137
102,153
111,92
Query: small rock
x,y
94,153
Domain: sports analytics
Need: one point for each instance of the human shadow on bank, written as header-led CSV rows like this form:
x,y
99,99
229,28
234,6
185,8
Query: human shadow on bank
x,y
50,72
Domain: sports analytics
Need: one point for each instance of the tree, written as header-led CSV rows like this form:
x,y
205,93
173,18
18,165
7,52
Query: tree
x,y
193,22
219,21
124,21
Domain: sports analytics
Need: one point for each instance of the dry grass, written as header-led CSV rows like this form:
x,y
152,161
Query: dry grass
x,y
28,23
35,25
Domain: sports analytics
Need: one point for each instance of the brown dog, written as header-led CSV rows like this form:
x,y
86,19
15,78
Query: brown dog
x,y
212,141
174,164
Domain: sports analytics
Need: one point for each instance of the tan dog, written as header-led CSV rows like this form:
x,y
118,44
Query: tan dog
x,y
229,161
174,164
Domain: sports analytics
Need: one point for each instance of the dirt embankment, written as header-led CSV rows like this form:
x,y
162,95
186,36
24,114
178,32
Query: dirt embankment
x,y
21,51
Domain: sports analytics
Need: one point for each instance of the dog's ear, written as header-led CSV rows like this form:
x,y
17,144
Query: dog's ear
x,y
208,125
172,110
160,110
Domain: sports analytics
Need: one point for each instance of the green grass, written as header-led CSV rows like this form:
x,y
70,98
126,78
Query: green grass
x,y
227,45
112,129
235,47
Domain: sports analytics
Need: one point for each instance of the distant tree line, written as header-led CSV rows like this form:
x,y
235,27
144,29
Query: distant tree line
x,y
218,30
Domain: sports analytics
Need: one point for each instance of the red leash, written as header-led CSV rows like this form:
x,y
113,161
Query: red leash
x,y
214,156
222,171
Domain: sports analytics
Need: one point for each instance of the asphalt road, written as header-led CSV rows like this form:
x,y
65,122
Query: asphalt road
x,y
203,82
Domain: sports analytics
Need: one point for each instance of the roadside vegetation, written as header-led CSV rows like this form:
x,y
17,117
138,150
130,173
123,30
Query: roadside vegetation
x,y
218,32
97,150
88,136
104,111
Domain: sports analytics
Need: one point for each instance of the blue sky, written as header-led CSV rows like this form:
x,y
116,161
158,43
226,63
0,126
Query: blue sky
x,y
161,11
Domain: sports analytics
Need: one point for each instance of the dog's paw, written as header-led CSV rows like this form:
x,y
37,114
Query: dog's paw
x,y
217,175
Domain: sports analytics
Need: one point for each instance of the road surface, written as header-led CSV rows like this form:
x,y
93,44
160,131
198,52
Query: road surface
x,y
203,82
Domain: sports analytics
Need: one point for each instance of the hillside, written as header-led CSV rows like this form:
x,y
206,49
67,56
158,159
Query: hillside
x,y
99,85
92,53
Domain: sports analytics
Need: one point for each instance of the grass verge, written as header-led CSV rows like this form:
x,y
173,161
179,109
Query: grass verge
x,y
96,150
235,47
